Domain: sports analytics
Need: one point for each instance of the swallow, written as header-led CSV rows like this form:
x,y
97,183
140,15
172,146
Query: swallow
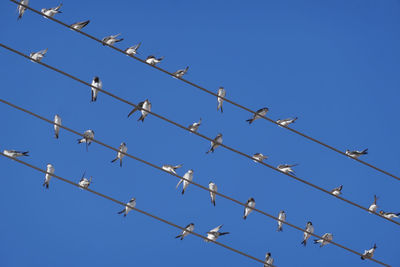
x,y
389,215
307,233
51,11
221,94
215,143
121,153
250,205
171,168
131,51
85,182
194,126
337,191
144,108
373,206
57,120
326,238
50,170
213,188
96,84
21,9
286,168
152,60
38,56
282,217
79,25
88,136
129,206
188,176
15,153
111,40
368,254
356,154
286,122
259,157
260,113
188,229
180,73
213,234
268,260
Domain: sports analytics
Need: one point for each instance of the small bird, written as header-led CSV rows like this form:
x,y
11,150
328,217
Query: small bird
x,y
286,122
286,168
57,119
129,206
50,170
38,56
282,217
188,176
213,234
171,168
306,235
152,60
121,150
251,204
215,143
194,126
111,40
326,238
85,182
79,25
21,9
188,229
180,73
356,154
373,206
268,260
144,108
96,84
260,113
259,157
213,187
389,215
88,136
221,94
51,11
337,191
15,153
368,254
133,49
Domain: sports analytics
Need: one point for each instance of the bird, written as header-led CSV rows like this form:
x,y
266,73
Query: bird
x,y
171,168
368,254
250,205
96,84
286,122
188,176
50,171
111,40
57,119
213,188
144,108
373,206
268,260
188,229
215,143
79,25
259,157
260,113
38,56
337,191
129,206
121,150
51,11
389,215
85,182
133,49
282,217
356,154
286,168
15,153
213,234
221,94
152,60
194,126
180,73
326,238
307,232
88,136
21,9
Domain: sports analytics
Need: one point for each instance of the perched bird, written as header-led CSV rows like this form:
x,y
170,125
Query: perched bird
x,y
260,113
195,126
215,143
133,49
373,206
389,215
286,122
259,157
15,153
326,238
57,119
171,168
368,254
21,9
356,154
213,234
221,94
152,60
268,260
79,25
180,73
282,217
111,40
306,235
213,187
188,229
121,150
286,168
129,206
251,204
51,11
337,191
96,84
85,182
50,170
188,176
88,136
144,108
38,56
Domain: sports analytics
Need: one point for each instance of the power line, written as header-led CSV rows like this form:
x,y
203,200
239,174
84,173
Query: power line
x,y
176,175
214,94
201,135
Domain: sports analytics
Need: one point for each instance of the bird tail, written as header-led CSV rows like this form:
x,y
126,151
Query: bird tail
x,y
79,141
114,159
316,241
133,110
295,119
397,214
178,166
244,217
304,242
365,151
46,185
224,233
280,228
213,201
179,236
120,162
119,40
183,191
25,153
141,118
122,211
250,120
161,58
362,257
56,134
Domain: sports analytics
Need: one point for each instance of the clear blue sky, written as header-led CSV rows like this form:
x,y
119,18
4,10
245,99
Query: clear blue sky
x,y
334,64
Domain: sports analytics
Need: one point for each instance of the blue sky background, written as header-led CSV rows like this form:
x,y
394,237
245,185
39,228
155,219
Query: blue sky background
x,y
334,64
